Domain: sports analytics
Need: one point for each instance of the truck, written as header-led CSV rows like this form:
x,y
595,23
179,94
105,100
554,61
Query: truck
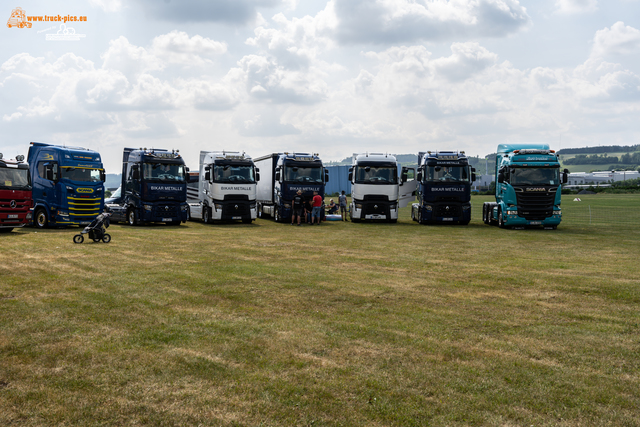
x,y
377,190
283,175
15,194
18,19
153,188
67,184
444,188
528,187
226,188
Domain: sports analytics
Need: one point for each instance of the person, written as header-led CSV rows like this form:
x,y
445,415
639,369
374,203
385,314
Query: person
x,y
342,201
333,208
308,206
317,207
298,207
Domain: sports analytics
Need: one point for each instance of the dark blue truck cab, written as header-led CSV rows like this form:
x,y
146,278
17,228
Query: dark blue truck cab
x,y
68,184
153,189
444,188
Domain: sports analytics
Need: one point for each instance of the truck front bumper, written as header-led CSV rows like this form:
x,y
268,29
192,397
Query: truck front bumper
x,y
234,210
378,210
446,212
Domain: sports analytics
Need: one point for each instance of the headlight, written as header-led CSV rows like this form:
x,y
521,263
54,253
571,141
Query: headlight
x,y
393,206
218,206
466,208
512,212
287,205
557,212
69,188
429,208
358,205
184,207
63,213
147,207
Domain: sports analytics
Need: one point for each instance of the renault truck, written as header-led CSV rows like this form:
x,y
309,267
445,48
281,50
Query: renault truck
x,y
444,188
67,184
528,187
15,193
283,174
153,188
377,189
226,188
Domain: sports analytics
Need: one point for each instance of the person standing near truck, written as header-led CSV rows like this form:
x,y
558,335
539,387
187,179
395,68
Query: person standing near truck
x,y
317,207
342,201
298,207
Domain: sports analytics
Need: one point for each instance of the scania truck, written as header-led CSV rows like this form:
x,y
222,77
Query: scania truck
x,y
68,184
226,187
153,188
283,174
444,188
377,191
15,193
528,187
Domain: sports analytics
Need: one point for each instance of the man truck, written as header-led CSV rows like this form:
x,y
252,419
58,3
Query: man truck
x,y
283,174
377,191
528,187
153,188
15,193
226,188
444,188
67,184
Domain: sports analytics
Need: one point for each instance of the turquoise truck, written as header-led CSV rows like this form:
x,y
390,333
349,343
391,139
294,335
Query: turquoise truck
x,y
528,187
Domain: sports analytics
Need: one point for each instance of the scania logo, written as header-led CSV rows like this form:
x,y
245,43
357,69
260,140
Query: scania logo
x,y
536,189
84,190
13,204
236,206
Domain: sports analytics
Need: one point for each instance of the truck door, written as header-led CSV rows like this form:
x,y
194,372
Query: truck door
x,y
408,187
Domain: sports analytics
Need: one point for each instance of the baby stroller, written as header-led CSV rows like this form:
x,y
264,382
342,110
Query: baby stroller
x,y
96,230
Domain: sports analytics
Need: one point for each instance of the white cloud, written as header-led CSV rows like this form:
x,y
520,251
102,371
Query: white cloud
x,y
225,11
107,5
177,48
617,40
576,6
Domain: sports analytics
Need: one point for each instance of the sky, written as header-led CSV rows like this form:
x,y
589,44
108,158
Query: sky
x,y
330,77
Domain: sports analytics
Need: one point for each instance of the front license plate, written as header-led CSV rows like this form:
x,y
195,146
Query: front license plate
x,y
85,223
166,219
236,217
535,222
447,219
375,216
12,216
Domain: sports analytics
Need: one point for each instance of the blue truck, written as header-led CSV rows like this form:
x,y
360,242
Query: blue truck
x,y
283,174
444,188
528,187
67,184
153,188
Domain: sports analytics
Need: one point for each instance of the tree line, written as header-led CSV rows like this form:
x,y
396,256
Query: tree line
x,y
604,159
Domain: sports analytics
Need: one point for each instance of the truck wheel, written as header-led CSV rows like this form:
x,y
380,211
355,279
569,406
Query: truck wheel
x,y
132,217
106,238
41,221
500,219
206,215
276,215
78,238
420,221
485,214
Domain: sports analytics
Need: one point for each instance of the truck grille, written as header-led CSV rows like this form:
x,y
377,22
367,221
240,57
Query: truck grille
x,y
448,210
84,206
373,208
535,205
20,205
168,210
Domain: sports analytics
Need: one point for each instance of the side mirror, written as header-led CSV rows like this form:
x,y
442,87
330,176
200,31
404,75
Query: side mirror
x,y
565,176
49,173
419,177
103,176
350,174
473,174
257,175
326,175
135,174
207,176
404,176
278,175
500,177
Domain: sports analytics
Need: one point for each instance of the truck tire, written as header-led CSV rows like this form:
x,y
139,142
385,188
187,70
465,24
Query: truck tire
x,y
485,214
40,219
500,219
206,215
276,215
132,217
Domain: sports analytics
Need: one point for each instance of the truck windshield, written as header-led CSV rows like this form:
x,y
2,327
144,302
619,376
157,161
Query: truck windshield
x,y
14,179
376,175
163,172
233,173
535,176
447,174
80,174
303,174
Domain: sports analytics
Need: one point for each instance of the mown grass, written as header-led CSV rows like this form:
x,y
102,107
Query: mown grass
x,y
338,324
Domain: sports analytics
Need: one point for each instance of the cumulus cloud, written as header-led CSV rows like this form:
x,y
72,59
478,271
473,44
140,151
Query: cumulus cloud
x,y
401,21
107,5
618,40
225,11
576,6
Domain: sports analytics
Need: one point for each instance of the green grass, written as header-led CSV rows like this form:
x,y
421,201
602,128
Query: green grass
x,y
339,324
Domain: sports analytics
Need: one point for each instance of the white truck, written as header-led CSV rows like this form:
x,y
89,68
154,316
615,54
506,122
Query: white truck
x,y
226,188
377,191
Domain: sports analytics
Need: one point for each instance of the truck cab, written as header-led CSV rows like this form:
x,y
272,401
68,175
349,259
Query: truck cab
x,y
15,193
377,190
444,188
226,187
528,187
154,187
67,183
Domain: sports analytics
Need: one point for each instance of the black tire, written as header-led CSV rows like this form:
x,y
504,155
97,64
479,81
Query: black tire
x,y
132,217
485,214
78,238
276,215
106,238
420,221
500,219
188,214
40,219
206,215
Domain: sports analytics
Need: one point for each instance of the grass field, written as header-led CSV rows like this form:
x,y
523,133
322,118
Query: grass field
x,y
335,325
